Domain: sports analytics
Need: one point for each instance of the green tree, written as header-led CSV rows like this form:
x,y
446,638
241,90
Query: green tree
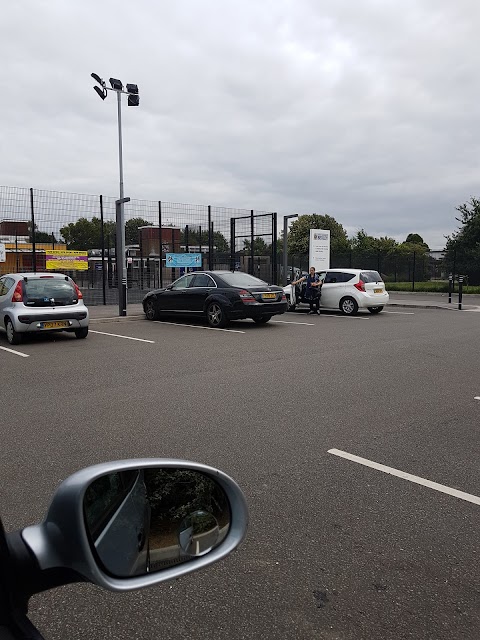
x,y
132,235
260,247
299,235
41,236
414,238
463,246
220,243
86,234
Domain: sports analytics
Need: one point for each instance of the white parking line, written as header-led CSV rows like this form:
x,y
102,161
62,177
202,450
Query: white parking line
x,y
407,476
197,326
332,315
138,315
116,335
401,313
308,324
476,397
17,353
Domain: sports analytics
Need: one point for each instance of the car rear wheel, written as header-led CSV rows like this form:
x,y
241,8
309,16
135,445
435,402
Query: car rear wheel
x,y
13,336
81,333
262,319
348,306
150,310
216,316
375,309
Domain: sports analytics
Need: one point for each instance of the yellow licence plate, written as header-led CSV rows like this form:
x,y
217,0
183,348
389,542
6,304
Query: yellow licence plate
x,y
269,296
378,291
59,324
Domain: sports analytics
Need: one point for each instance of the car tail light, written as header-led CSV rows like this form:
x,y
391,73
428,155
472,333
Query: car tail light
x,y
360,285
246,296
18,293
79,293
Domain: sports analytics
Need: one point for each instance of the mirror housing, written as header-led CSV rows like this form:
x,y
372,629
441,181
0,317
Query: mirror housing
x,y
63,541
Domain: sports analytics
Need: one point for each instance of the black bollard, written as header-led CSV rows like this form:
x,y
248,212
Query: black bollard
x,y
460,292
450,288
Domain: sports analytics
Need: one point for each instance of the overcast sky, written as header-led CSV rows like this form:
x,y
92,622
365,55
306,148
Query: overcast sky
x,y
368,110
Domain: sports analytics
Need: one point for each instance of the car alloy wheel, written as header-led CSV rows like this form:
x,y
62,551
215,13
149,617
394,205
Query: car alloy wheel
x,y
216,316
12,336
348,306
150,311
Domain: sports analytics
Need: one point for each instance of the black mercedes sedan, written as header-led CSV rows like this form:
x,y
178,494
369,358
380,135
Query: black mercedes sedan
x,y
218,296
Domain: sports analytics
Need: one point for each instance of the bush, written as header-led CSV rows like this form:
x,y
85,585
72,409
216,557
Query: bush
x,y
433,286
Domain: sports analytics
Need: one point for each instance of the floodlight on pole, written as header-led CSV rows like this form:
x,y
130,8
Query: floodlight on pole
x,y
133,100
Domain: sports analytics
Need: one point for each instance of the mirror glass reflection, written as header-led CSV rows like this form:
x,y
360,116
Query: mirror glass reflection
x,y
146,520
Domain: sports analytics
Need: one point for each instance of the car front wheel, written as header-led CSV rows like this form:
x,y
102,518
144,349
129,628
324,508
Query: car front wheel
x,y
216,316
13,336
150,310
348,306
375,309
81,333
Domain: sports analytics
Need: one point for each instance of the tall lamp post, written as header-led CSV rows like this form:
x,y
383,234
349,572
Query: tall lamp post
x,y
133,101
285,249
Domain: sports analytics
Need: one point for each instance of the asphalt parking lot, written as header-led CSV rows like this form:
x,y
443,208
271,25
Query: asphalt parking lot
x,y
355,440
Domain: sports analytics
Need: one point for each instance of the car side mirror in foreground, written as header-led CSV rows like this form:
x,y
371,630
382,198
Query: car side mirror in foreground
x,y
130,524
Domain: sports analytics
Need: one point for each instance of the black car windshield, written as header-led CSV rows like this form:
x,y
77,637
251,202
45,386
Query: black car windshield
x,y
237,279
370,276
49,292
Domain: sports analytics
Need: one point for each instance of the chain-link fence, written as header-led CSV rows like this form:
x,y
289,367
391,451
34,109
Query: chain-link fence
x,y
39,228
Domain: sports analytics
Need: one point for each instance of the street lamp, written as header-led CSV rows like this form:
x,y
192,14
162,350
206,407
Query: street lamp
x,y
285,250
133,101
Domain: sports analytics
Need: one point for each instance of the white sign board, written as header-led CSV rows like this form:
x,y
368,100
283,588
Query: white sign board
x,y
3,256
319,254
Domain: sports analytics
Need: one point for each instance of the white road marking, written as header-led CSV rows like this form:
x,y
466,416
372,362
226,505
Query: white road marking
x,y
401,313
116,335
308,324
476,398
197,326
138,315
17,353
331,315
407,476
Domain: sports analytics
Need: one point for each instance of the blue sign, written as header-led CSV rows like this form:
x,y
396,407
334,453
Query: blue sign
x,y
191,260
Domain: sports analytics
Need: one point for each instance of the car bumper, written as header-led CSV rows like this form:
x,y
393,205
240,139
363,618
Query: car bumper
x,y
28,322
373,300
257,310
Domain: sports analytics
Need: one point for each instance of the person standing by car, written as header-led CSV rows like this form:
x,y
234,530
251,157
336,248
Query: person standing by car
x,y
314,285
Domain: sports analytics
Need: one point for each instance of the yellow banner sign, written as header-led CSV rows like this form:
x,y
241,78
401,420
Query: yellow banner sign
x,y
66,260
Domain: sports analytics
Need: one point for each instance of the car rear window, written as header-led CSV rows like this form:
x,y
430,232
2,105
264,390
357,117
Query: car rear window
x,y
370,276
49,292
236,279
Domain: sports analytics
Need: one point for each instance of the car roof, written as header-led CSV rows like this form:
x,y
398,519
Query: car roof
x,y
38,274
348,270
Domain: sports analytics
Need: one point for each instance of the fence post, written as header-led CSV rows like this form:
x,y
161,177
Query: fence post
x,y
252,241
454,267
160,243
274,249
186,239
232,244
450,282
32,211
413,272
210,239
102,238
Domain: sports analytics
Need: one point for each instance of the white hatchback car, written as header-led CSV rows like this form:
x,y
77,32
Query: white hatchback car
x,y
346,289
39,302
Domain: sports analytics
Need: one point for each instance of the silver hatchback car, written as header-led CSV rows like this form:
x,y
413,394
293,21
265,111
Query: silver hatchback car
x,y
39,302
